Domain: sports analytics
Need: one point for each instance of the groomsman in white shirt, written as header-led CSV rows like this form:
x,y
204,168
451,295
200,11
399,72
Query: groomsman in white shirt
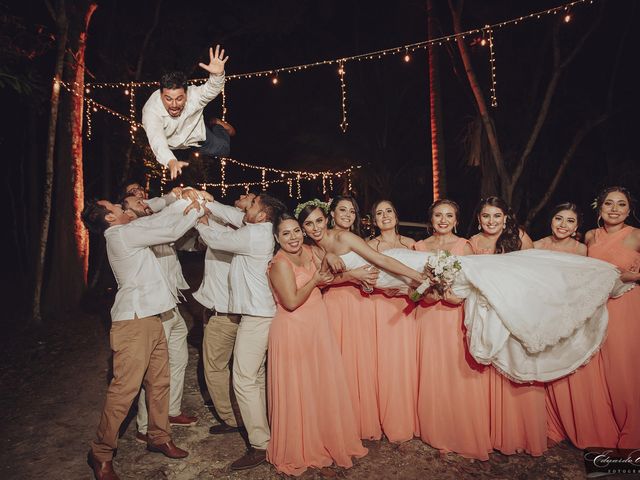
x,y
172,116
252,248
220,332
137,336
175,328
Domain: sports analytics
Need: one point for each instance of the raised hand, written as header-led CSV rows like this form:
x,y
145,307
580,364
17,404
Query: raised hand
x,y
175,167
216,61
191,193
194,205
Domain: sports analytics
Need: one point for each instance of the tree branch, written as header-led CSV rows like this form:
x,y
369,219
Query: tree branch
x,y
559,66
577,140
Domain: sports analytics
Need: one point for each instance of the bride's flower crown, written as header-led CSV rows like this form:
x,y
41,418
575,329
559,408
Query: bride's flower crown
x,y
315,202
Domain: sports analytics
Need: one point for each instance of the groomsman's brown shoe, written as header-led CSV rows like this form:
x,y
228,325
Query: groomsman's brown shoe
x,y
102,470
223,428
251,459
142,437
168,449
183,420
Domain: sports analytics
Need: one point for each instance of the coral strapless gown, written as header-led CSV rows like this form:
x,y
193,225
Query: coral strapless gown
x,y
353,323
620,352
518,417
578,406
453,395
310,411
397,366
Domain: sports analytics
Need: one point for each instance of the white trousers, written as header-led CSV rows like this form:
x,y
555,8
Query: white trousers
x,y
249,378
175,329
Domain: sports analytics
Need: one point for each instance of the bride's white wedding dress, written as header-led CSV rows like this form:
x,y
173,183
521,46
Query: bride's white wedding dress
x,y
536,315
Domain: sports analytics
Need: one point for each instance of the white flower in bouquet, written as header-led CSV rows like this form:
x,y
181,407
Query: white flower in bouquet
x,y
441,269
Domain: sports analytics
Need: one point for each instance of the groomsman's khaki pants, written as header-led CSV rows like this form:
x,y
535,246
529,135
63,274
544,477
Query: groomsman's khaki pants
x,y
217,348
249,357
175,331
139,356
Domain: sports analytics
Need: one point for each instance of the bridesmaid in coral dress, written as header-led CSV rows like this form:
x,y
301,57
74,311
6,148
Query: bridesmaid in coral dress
x,y
352,320
619,243
334,246
453,392
310,412
578,406
396,340
518,412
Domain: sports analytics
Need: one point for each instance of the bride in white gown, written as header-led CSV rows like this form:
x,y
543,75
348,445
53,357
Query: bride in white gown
x,y
535,315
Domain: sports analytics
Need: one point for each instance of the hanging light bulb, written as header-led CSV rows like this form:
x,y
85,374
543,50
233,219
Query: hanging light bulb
x,y
483,42
126,91
567,18
274,80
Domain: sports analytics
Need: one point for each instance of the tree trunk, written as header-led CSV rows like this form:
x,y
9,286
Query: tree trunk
x,y
487,121
62,26
70,242
435,110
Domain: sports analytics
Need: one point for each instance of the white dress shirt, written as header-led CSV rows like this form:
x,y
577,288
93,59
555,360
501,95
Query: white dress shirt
x,y
166,253
252,249
166,133
143,289
158,203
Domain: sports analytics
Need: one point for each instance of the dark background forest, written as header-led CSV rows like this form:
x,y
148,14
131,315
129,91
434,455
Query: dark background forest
x,y
589,123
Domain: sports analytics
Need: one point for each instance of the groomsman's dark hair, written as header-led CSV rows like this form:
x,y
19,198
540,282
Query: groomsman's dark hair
x,y
93,217
271,206
173,80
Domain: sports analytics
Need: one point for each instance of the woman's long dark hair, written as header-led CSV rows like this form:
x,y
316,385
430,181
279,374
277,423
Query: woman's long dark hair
x,y
572,207
355,228
509,240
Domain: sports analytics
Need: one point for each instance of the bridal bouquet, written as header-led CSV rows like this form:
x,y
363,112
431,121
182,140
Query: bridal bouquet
x,y
441,270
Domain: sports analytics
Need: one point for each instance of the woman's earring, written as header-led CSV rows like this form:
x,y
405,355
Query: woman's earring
x,y
455,228
598,222
304,234
479,227
573,234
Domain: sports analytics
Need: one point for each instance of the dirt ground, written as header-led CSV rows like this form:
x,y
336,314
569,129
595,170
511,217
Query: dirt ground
x,y
52,386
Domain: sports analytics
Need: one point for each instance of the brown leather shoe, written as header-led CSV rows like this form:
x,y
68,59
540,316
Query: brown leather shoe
x,y
102,470
183,420
223,428
251,459
142,437
168,449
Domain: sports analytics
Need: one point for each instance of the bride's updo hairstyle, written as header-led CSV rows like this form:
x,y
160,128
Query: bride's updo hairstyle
x,y
436,204
509,240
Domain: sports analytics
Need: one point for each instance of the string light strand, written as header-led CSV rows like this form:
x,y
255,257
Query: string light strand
x,y
400,50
